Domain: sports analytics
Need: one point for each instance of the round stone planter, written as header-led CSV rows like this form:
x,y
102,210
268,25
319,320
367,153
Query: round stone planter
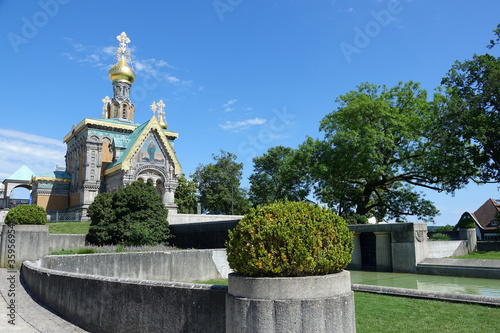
x,y
323,303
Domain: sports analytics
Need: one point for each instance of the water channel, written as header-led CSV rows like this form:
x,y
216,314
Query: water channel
x,y
451,284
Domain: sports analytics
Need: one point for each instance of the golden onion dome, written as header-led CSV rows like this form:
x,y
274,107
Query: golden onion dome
x,y
163,124
121,71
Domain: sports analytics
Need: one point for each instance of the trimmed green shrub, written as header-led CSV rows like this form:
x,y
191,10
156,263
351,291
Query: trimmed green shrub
x,y
439,237
26,214
466,223
289,239
134,215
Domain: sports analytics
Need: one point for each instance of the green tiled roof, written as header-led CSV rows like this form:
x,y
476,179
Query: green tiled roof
x,y
23,173
116,121
132,139
56,174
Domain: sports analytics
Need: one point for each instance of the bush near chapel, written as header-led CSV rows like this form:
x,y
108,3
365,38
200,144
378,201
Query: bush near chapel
x,y
134,215
26,214
466,223
289,239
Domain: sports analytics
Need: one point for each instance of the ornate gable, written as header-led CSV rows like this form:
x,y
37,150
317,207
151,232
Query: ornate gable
x,y
148,144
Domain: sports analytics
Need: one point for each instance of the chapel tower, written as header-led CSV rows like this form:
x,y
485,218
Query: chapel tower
x,y
122,76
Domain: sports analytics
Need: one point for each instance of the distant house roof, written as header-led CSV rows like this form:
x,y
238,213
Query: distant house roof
x,y
485,214
23,173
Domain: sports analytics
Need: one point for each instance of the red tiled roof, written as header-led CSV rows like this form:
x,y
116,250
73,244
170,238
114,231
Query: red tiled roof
x,y
486,213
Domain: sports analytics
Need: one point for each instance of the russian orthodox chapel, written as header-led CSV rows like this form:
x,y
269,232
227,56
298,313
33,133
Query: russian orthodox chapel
x,y
105,154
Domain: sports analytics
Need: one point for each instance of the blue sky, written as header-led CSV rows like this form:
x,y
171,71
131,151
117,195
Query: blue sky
x,y
236,75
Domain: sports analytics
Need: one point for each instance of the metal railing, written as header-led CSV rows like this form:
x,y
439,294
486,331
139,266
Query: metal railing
x,y
64,216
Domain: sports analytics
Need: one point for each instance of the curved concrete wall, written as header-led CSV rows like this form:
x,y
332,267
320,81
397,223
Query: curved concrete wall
x,y
183,266
92,291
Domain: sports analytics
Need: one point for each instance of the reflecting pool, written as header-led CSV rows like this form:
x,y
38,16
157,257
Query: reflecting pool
x,y
451,284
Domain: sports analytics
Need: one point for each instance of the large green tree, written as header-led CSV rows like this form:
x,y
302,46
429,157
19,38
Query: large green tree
x,y
379,147
473,114
134,215
279,175
219,185
186,195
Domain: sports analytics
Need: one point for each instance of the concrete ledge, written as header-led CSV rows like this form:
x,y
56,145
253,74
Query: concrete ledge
x,y
460,267
443,249
388,227
174,219
108,304
65,241
287,288
182,265
432,295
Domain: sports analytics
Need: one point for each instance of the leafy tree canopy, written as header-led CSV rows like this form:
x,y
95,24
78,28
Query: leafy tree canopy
x,y
496,41
379,146
186,197
473,114
134,215
278,175
219,185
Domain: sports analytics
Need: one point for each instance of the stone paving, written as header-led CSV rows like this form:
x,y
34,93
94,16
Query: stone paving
x,y
29,315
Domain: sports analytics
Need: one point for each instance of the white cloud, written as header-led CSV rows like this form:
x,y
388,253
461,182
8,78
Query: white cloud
x,y
171,79
237,125
103,58
228,107
109,50
40,154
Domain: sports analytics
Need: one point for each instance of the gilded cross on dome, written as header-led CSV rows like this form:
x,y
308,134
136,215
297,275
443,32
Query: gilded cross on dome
x,y
160,105
161,114
105,100
154,107
123,48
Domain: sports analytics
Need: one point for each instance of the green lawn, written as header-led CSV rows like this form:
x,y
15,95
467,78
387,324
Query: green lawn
x,y
381,313
489,255
69,227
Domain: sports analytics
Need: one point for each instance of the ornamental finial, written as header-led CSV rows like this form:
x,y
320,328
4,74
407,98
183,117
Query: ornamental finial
x,y
105,100
161,114
123,47
160,105
154,107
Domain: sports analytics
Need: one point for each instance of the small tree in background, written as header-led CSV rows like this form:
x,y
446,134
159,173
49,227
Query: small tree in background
x,y
186,195
278,175
134,215
219,185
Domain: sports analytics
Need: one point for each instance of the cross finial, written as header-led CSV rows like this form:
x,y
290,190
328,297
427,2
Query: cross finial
x,y
105,100
123,47
154,107
160,105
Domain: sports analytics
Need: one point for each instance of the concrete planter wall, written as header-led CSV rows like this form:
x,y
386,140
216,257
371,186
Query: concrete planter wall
x,y
22,242
317,304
